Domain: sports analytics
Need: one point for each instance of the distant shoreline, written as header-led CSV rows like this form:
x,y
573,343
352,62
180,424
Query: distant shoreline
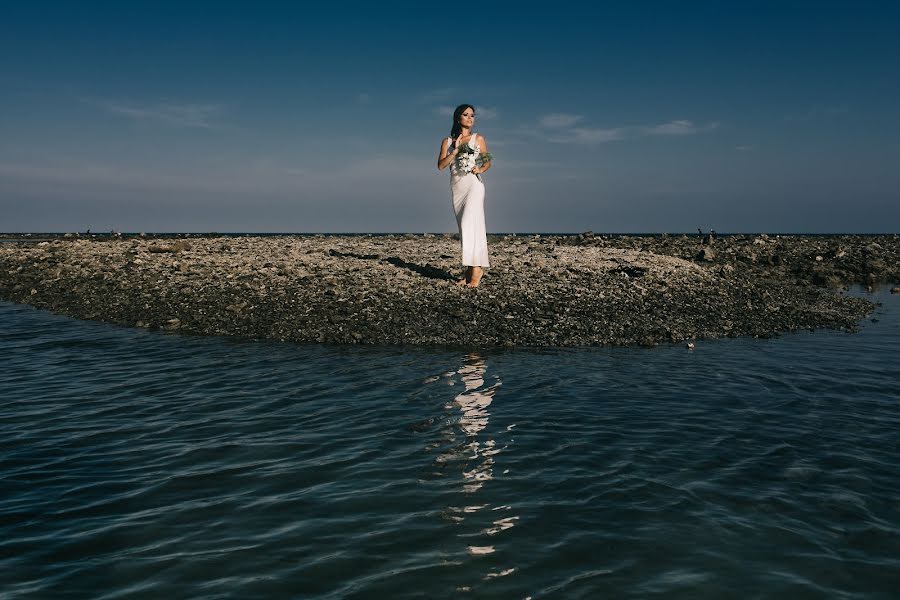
x,y
29,235
542,290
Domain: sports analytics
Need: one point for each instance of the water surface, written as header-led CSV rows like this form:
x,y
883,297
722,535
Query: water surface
x,y
147,465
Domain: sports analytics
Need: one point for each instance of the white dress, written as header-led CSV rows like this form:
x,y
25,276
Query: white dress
x,y
468,204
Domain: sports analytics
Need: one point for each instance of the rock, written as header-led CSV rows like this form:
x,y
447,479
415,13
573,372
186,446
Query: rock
x,y
178,246
629,290
707,254
629,271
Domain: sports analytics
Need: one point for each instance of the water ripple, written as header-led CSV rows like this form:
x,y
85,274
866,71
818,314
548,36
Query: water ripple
x,y
138,464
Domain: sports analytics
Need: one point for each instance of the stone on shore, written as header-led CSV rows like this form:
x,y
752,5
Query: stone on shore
x,y
547,290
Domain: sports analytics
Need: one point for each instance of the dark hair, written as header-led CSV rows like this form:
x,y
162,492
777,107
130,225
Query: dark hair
x,y
457,128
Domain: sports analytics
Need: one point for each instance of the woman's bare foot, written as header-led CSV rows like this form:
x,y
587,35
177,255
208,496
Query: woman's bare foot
x,y
466,279
475,279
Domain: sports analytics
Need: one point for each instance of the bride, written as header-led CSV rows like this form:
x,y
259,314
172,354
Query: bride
x,y
462,152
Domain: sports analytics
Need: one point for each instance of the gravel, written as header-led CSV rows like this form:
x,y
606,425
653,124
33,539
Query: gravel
x,y
542,290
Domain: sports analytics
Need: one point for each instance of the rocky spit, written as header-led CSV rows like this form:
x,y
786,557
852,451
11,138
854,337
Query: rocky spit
x,y
542,290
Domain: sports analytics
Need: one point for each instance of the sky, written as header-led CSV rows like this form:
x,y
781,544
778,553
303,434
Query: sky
x,y
282,117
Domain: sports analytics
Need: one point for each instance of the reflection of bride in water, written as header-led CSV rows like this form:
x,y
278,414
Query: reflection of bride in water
x,y
474,402
478,453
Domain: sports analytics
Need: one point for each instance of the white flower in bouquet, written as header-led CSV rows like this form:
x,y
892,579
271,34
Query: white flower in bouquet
x,y
466,159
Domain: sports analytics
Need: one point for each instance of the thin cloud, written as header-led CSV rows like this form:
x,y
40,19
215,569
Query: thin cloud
x,y
100,176
484,112
583,135
184,115
249,177
557,120
680,127
559,128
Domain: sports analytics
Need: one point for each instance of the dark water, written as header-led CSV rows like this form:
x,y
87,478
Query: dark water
x,y
145,465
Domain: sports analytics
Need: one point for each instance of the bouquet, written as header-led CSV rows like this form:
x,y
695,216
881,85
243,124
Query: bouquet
x,y
466,160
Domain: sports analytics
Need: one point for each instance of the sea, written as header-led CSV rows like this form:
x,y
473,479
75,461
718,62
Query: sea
x,y
137,464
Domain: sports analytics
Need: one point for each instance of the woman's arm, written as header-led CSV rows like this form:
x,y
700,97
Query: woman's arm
x,y
444,157
484,148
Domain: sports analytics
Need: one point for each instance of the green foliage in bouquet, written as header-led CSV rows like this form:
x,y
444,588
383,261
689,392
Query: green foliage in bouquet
x,y
485,157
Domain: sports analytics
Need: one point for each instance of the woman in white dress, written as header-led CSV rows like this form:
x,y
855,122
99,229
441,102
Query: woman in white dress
x,y
467,190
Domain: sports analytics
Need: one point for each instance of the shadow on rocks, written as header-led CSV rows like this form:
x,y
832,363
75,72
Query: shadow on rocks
x,y
424,270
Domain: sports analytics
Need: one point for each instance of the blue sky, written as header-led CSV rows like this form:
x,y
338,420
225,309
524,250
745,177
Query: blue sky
x,y
628,117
